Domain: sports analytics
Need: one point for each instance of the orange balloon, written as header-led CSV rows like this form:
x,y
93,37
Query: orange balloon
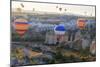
x,y
21,26
81,23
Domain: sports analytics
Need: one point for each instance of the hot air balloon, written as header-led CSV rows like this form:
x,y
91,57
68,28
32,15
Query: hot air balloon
x,y
60,32
56,6
65,9
60,9
21,26
81,23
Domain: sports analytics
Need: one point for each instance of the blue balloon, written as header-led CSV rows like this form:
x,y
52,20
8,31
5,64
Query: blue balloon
x,y
60,28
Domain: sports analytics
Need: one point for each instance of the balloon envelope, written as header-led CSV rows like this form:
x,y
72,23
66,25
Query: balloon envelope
x,y
60,30
81,23
21,26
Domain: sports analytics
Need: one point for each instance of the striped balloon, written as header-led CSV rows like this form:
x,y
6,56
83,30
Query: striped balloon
x,y
81,23
21,26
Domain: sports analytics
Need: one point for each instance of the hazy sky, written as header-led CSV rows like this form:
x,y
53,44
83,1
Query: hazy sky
x,y
74,9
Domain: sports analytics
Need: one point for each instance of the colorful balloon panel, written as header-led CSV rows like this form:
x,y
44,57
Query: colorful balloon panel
x,y
21,26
